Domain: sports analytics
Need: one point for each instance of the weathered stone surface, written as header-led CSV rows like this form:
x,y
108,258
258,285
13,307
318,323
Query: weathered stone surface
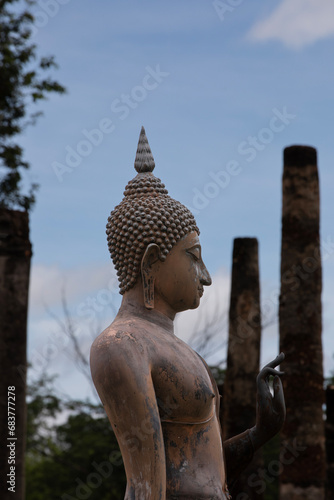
x,y
15,254
292,492
300,326
330,442
243,354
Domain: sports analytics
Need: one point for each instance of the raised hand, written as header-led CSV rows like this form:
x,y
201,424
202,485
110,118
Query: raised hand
x,y
270,410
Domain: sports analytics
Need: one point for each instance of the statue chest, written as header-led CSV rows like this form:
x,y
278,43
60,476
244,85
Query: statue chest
x,y
183,387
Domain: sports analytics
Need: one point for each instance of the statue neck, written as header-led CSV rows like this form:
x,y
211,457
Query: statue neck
x,y
133,305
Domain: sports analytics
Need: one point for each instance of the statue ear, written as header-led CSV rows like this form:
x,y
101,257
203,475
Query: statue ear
x,y
151,255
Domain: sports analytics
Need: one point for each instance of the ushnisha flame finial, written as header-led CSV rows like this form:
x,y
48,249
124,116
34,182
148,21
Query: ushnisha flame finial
x,y
144,161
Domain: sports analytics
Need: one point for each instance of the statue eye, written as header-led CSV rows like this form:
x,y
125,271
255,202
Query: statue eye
x,y
195,254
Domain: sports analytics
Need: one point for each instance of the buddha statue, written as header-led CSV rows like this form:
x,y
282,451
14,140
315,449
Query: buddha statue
x,y
159,394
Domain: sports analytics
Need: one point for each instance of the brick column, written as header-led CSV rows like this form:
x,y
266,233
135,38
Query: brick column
x,y
243,355
302,437
15,255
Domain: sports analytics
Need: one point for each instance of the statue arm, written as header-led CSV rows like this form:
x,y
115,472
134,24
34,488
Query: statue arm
x,y
126,390
270,410
238,453
270,416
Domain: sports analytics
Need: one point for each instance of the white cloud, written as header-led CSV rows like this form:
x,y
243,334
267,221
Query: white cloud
x,y
50,351
49,347
48,282
297,23
211,316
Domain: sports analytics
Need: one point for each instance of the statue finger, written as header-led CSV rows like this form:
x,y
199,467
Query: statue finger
x,y
279,402
277,361
266,372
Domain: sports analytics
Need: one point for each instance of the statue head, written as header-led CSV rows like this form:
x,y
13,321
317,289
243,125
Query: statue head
x,y
146,217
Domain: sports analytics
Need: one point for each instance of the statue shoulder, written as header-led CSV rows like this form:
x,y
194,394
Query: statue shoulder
x,y
120,364
116,346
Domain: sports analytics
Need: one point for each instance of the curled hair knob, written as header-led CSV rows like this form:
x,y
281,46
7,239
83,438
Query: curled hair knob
x,y
144,161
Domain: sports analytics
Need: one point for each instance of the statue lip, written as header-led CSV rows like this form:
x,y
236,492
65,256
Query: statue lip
x,y
201,291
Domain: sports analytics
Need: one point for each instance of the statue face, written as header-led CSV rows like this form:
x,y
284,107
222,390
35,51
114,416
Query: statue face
x,y
179,281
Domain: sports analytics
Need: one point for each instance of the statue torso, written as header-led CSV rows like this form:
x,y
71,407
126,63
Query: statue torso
x,y
187,401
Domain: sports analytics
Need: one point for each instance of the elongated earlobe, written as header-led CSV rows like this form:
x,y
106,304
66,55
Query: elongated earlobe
x,y
150,256
148,289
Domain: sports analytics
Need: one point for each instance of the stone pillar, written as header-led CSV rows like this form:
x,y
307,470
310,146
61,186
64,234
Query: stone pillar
x,y
15,254
302,437
243,355
330,442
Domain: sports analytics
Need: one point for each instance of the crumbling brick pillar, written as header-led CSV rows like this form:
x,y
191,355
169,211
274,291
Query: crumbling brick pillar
x,y
302,437
15,255
243,356
330,441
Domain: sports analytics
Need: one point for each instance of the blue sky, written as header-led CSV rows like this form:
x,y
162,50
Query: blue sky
x,y
221,88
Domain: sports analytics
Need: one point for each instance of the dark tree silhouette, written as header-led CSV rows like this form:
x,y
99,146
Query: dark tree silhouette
x,y
24,79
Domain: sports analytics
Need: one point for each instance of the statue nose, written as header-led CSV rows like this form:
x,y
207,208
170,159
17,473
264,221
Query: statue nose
x,y
205,278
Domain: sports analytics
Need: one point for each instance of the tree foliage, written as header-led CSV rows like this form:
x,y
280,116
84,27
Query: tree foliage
x,y
71,449
24,79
